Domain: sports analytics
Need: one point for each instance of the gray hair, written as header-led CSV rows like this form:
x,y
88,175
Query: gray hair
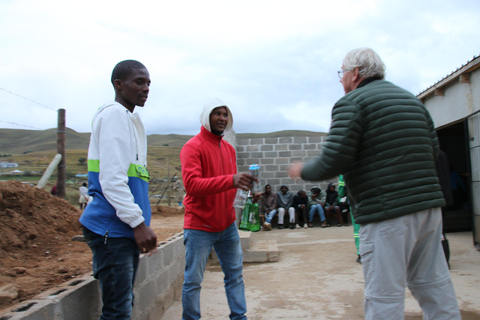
x,y
367,61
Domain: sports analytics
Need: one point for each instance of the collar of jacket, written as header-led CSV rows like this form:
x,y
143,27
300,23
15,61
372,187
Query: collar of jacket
x,y
364,82
210,136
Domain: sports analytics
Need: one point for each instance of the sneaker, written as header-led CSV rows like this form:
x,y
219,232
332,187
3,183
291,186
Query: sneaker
x,y
305,226
324,224
297,226
310,225
280,226
267,226
292,226
359,259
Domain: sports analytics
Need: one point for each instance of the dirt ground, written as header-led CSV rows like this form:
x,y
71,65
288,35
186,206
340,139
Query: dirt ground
x,y
36,247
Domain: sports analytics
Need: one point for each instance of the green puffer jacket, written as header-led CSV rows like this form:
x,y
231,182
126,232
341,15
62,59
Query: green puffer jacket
x,y
383,141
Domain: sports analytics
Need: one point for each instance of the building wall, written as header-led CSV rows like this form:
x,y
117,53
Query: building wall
x,y
458,101
274,155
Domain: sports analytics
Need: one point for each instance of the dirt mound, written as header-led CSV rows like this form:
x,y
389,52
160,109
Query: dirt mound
x,y
36,247
36,250
30,216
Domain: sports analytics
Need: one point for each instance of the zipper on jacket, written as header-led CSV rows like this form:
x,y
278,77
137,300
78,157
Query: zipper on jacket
x,y
106,237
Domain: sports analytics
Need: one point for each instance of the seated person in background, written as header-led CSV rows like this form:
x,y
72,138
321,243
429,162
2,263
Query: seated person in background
x,y
300,203
316,201
284,203
269,207
332,205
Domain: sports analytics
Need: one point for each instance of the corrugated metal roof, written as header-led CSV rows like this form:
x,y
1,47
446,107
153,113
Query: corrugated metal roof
x,y
465,68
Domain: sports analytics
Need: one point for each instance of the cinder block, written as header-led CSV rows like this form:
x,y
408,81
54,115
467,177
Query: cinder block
x,y
244,239
294,147
256,155
271,168
310,146
243,142
285,140
253,148
282,160
285,154
266,175
271,140
281,147
315,139
257,141
298,154
281,174
265,161
270,154
267,147
262,251
300,140
287,181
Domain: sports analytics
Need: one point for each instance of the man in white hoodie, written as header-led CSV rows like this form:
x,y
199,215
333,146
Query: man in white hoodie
x,y
115,223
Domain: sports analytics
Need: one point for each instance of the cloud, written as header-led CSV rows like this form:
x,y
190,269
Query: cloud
x,y
274,63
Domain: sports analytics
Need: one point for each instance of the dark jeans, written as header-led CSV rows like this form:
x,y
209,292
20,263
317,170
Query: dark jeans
x,y
115,263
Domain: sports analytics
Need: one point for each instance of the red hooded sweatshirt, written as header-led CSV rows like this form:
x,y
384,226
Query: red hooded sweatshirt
x,y
208,165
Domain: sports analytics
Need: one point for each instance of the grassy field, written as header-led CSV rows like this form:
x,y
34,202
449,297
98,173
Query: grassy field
x,y
33,150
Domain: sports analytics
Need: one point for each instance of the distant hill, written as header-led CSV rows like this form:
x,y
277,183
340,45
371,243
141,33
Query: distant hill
x,y
17,141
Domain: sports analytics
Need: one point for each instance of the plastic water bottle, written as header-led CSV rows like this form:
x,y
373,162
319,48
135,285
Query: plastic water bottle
x,y
240,198
255,171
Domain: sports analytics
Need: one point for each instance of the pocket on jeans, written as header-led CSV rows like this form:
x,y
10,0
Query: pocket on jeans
x,y
366,252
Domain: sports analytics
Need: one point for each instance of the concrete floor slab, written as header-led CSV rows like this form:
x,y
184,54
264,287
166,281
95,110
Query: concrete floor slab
x,y
317,277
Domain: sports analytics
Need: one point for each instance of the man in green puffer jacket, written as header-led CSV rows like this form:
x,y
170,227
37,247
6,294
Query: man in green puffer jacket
x,y
383,141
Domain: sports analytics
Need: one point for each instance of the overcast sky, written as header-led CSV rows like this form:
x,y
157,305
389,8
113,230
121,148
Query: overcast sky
x,y
274,63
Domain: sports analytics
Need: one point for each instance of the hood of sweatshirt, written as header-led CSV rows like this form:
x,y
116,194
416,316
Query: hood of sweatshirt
x,y
207,110
285,197
329,186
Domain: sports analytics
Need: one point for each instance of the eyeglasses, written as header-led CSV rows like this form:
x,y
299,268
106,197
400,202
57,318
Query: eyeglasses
x,y
341,72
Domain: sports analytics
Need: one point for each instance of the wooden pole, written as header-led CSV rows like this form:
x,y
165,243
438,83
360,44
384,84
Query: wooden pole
x,y
61,169
168,175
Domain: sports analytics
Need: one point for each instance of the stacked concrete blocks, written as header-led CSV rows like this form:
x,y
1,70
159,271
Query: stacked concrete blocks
x,y
158,284
274,156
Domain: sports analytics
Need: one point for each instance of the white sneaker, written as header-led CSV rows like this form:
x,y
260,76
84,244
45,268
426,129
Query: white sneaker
x,y
305,225
297,226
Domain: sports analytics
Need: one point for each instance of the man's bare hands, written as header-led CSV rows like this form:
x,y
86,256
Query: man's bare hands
x,y
244,181
295,170
146,239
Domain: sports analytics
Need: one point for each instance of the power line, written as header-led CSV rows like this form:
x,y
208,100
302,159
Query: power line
x,y
28,100
22,125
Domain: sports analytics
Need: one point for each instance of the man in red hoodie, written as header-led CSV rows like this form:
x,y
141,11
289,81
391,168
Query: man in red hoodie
x,y
210,176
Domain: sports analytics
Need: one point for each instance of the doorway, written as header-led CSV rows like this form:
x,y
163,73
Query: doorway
x,y
454,142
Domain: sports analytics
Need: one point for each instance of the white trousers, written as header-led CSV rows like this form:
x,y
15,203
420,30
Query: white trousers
x,y
281,214
406,251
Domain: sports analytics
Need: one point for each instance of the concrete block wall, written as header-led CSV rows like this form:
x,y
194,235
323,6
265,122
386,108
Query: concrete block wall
x,y
158,284
275,154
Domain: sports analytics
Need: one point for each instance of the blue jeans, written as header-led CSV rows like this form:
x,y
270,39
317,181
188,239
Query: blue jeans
x,y
316,208
198,245
271,214
115,263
